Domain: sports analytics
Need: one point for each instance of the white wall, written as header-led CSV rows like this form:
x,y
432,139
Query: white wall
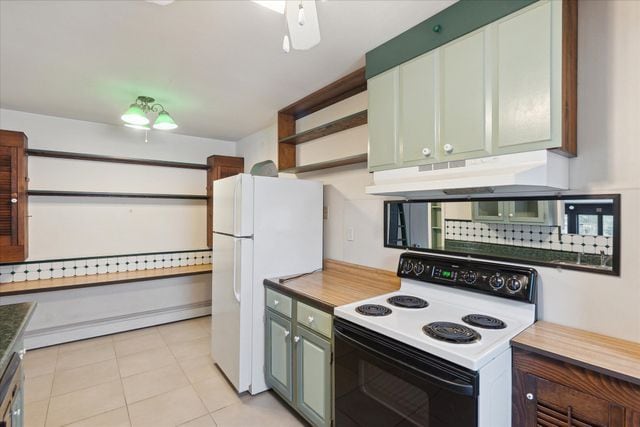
x,y
609,155
62,227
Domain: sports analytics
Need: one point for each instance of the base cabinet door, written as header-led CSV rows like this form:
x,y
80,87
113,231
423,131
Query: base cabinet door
x,y
313,360
278,358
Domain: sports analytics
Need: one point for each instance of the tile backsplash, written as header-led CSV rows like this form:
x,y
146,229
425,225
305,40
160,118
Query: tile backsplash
x,y
525,235
49,269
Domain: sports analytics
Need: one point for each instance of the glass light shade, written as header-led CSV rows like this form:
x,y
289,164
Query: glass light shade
x,y
143,127
164,122
135,116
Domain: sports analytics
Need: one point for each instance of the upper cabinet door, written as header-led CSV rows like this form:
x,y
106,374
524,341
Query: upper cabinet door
x,y
418,110
464,126
526,94
13,197
383,120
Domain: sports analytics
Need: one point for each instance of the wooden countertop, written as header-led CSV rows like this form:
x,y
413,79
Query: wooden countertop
x,y
337,284
611,356
61,283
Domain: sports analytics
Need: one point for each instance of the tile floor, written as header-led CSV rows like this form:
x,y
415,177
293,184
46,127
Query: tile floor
x,y
158,376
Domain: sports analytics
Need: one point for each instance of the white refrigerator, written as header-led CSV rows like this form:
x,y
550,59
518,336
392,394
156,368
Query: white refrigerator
x,y
262,228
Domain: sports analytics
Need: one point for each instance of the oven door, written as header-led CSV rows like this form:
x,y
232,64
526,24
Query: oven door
x,y
382,382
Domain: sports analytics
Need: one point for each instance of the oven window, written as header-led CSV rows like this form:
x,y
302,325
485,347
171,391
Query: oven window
x,y
372,390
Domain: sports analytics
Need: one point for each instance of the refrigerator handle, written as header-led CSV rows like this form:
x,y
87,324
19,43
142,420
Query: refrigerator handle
x,y
236,243
235,201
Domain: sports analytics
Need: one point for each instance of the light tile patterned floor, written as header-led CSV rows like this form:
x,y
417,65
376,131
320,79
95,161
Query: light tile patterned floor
x,y
158,376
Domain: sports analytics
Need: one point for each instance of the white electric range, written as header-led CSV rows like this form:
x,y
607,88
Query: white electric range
x,y
436,352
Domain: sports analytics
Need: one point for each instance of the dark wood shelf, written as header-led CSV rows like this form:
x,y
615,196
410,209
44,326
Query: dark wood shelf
x,y
343,88
344,123
114,159
108,194
351,160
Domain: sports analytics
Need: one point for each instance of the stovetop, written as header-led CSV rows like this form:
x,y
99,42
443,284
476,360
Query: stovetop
x,y
503,317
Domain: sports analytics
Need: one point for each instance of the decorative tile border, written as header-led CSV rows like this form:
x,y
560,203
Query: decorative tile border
x,y
529,236
72,267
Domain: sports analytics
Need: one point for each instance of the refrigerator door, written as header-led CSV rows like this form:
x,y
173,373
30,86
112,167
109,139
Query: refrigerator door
x,y
287,240
231,296
233,205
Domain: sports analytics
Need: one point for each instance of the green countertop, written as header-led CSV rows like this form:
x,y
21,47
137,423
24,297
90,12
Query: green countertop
x,y
13,321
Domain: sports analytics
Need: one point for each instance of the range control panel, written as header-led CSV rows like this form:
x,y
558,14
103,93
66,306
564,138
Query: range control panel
x,y
501,280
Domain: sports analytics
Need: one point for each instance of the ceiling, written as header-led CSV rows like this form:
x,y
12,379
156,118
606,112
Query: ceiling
x,y
216,66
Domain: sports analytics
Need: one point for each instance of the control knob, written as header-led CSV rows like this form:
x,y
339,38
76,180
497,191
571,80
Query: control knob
x,y
470,277
514,284
496,282
407,266
418,269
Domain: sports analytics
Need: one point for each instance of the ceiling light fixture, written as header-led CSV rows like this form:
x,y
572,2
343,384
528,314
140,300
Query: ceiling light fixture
x,y
301,18
136,115
300,13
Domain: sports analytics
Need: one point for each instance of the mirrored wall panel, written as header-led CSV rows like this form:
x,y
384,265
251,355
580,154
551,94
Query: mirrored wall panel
x,y
574,232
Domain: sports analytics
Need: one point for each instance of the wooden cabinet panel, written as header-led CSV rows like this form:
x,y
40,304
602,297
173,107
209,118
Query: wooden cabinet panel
x,y
13,197
383,120
548,392
463,92
418,111
219,167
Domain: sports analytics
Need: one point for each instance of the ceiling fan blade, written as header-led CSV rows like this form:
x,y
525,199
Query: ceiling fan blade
x,y
161,2
304,36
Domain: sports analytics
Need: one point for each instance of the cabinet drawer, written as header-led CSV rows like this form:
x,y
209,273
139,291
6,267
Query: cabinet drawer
x,y
278,302
314,319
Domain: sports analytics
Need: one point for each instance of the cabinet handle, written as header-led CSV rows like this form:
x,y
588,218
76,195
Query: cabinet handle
x,y
426,152
448,148
276,302
296,339
529,396
14,201
16,413
510,214
310,319
286,333
499,214
21,353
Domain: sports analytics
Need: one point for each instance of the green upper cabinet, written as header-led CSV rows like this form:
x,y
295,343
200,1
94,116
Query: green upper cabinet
x,y
463,88
502,88
383,120
528,68
516,212
417,110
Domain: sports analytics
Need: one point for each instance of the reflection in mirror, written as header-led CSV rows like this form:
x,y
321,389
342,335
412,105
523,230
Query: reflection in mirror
x,y
580,232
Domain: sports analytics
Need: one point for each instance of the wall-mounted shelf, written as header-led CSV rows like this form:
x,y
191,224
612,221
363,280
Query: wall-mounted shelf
x,y
344,123
351,160
337,91
114,159
108,194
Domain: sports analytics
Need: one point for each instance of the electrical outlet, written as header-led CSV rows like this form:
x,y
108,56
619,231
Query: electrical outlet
x,y
350,234
325,212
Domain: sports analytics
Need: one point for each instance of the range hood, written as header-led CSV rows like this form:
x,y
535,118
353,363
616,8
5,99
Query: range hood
x,y
534,171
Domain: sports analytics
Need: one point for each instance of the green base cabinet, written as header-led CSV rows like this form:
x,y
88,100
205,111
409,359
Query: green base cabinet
x,y
278,355
496,90
298,362
313,376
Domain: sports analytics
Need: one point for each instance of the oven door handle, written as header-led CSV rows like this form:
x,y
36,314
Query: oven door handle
x,y
464,389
